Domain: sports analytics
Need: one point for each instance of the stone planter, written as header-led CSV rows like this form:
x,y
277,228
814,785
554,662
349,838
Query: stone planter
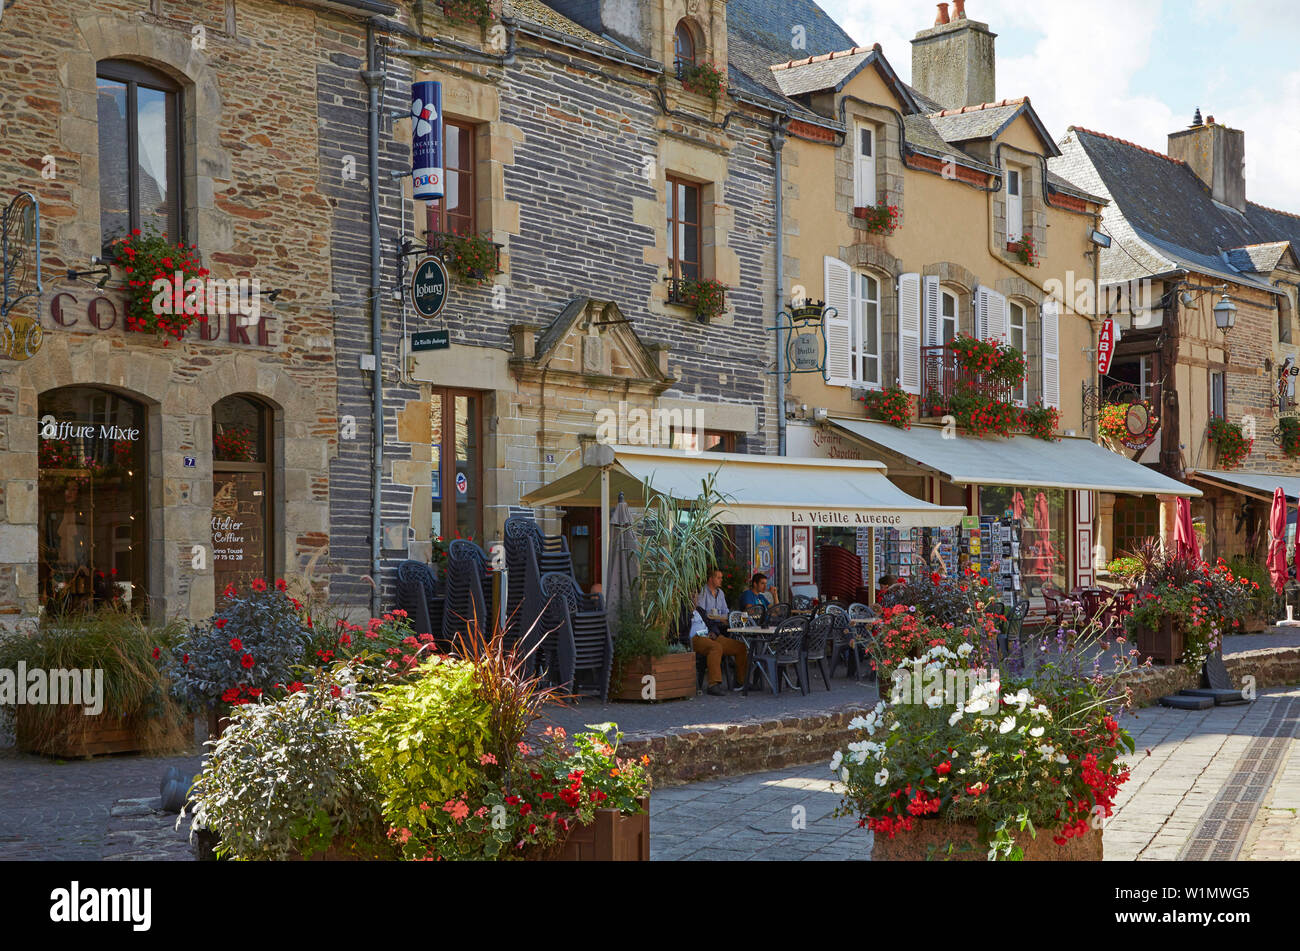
x,y
1164,645
674,678
930,840
611,837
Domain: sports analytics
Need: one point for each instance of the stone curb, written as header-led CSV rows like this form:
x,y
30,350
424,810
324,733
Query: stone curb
x,y
684,755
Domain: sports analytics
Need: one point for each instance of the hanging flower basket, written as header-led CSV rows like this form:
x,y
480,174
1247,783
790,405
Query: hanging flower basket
x,y
471,259
1041,422
1229,442
160,298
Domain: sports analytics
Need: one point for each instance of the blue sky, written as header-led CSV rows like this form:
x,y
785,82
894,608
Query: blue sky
x,y
1136,69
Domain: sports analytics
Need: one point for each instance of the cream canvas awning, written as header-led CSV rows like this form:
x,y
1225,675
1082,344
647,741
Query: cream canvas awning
x,y
1259,485
1072,463
760,490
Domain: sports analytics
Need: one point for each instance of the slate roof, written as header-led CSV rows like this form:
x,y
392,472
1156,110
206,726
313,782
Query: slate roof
x,y
1261,258
987,121
1162,216
536,12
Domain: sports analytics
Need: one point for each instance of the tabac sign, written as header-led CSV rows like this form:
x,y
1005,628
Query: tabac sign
x,y
1106,346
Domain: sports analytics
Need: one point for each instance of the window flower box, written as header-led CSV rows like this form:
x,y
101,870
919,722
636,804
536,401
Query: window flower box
x,y
707,298
674,677
702,78
880,219
1024,250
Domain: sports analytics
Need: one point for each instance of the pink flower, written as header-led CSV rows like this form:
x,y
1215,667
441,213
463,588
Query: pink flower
x,y
456,809
487,759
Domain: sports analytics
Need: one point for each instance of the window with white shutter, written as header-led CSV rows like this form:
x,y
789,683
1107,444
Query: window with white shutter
x,y
865,294
1018,337
909,332
837,322
864,166
1051,353
1015,203
995,315
930,309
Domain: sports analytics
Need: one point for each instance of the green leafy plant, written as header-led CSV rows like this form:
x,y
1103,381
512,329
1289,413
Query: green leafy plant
x,y
130,654
705,79
146,257
1111,423
1229,441
677,550
1025,250
706,297
254,643
1126,569
471,259
288,779
1289,427
478,12
881,218
1041,422
891,405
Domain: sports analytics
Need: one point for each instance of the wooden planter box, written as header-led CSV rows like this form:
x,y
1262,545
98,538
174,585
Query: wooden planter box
x,y
82,738
929,841
674,678
612,837
1164,646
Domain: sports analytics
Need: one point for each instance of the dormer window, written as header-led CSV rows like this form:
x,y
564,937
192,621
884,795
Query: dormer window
x,y
683,48
1015,204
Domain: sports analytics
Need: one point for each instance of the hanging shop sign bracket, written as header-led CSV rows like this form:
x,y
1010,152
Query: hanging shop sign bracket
x,y
804,339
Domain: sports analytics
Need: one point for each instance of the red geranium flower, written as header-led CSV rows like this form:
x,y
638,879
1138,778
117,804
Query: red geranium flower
x,y
247,661
236,644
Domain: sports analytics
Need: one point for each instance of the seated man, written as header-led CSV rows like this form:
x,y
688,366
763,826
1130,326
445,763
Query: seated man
x,y
756,596
707,639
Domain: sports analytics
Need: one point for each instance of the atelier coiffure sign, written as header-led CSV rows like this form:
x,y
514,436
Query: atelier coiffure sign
x,y
426,141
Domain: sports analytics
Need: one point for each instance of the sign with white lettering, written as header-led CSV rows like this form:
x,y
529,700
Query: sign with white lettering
x,y
1106,346
63,430
426,141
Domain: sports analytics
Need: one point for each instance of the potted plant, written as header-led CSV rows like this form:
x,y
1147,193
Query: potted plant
x,y
112,694
1229,441
1025,250
1041,422
881,218
892,405
147,258
471,259
1260,606
707,298
641,651
705,79
678,543
967,763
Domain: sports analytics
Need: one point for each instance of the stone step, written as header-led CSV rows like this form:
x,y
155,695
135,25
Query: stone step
x,y
1221,698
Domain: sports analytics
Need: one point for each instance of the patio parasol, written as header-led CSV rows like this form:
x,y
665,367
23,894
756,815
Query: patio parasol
x,y
1018,505
624,554
1045,554
1277,540
1186,544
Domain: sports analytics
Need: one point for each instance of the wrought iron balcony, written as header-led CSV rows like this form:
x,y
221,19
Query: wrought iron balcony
x,y
943,378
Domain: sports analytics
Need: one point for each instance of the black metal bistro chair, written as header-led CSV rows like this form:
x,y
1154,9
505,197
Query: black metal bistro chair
x,y
778,651
821,630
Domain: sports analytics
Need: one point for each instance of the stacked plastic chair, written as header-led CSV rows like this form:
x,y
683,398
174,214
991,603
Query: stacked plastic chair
x,y
841,573
529,556
465,603
417,595
578,638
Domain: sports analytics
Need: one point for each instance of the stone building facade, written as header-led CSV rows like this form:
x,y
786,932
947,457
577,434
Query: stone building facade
x,y
130,470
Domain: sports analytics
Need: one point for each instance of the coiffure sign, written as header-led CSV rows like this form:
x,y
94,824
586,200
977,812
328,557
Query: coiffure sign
x,y
427,178
101,313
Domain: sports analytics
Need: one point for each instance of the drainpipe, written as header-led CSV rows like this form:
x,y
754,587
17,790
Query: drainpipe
x,y
374,81
778,144
1096,327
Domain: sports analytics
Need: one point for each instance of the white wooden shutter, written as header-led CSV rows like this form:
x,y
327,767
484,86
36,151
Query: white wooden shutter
x,y
909,332
996,316
1015,204
838,326
932,302
1051,353
864,178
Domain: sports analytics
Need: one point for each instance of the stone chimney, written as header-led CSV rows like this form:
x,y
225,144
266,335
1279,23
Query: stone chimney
x,y
1217,155
954,62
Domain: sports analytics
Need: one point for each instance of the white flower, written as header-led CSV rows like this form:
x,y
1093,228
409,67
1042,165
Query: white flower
x,y
1019,700
882,777
1062,758
858,723
895,726
978,705
1041,711
1007,725
952,720
965,650
1036,732
934,701
981,751
836,760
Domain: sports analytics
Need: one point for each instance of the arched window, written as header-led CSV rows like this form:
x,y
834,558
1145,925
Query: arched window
x,y
1018,337
139,151
683,47
241,491
93,483
865,330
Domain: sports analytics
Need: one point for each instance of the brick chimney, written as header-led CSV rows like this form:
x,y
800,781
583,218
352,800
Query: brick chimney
x,y
1217,155
954,63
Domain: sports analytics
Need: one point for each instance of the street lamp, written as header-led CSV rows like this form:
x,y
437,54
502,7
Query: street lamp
x,y
1225,314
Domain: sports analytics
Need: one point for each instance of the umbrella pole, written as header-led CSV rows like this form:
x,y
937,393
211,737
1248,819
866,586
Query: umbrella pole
x,y
604,523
